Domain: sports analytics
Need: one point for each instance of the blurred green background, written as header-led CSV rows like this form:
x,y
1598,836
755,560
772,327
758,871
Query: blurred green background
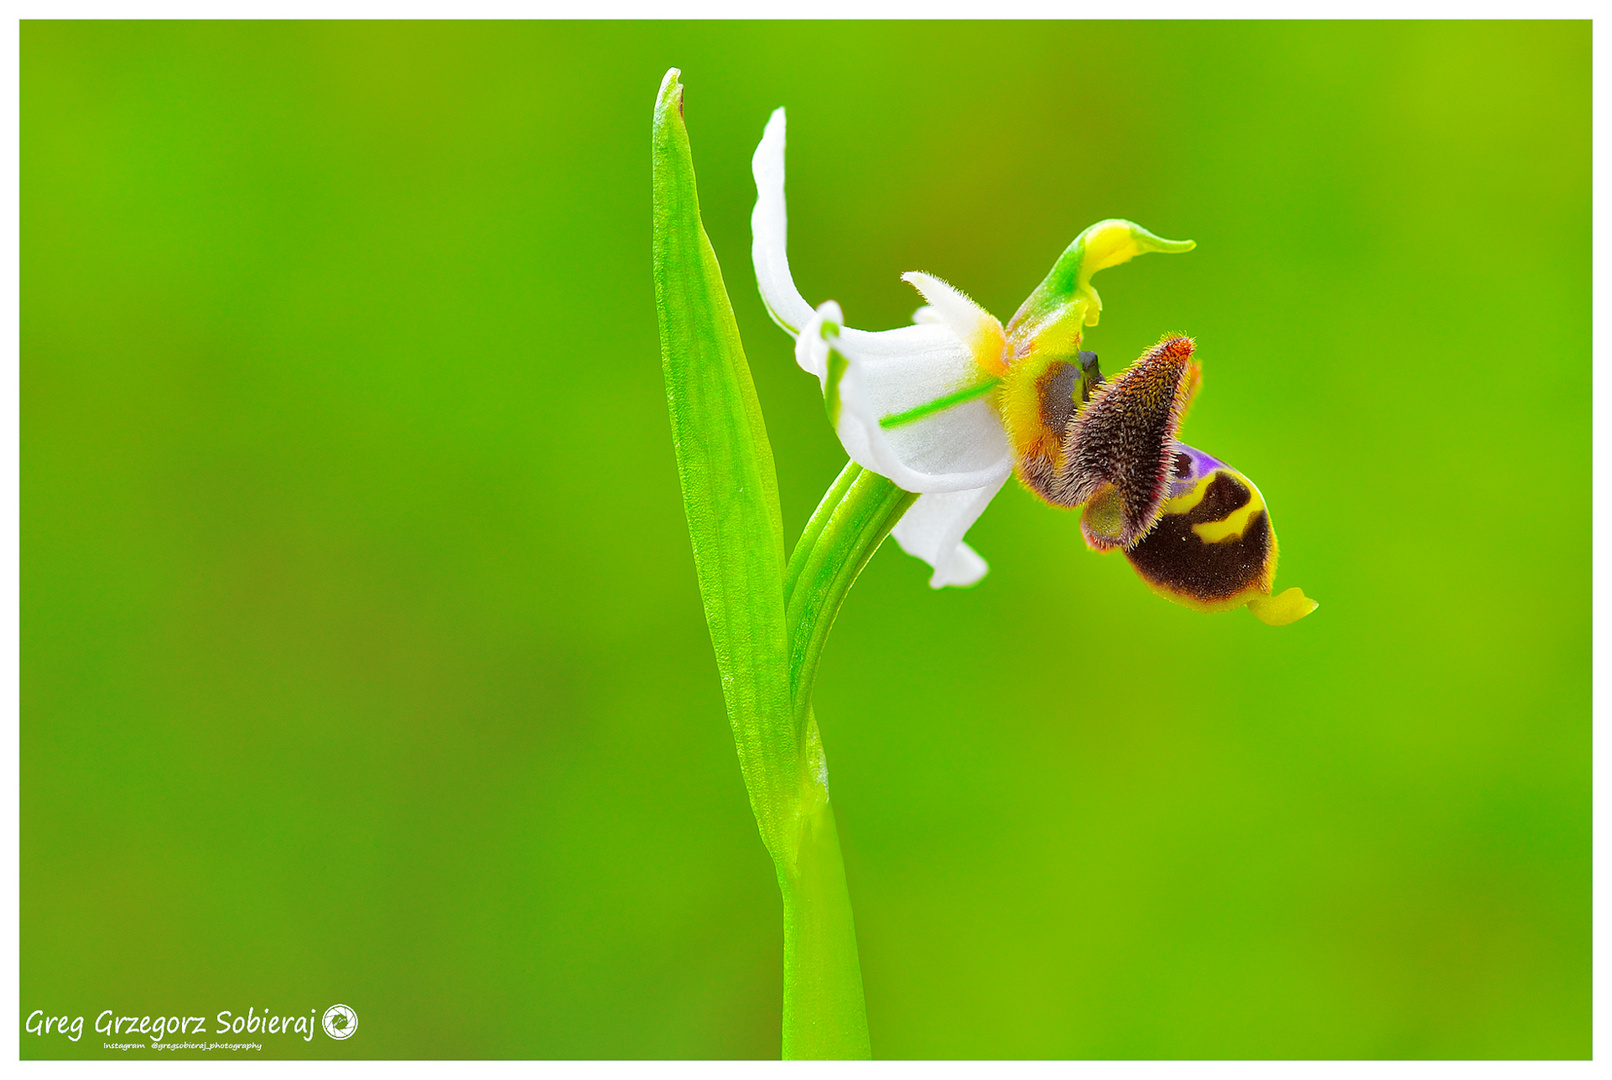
x,y
362,658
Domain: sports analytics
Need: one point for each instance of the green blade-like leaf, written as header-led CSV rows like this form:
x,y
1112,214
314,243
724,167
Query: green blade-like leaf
x,y
730,491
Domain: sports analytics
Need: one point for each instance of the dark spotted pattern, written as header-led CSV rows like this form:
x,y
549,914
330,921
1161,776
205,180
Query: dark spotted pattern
x,y
1124,437
1173,557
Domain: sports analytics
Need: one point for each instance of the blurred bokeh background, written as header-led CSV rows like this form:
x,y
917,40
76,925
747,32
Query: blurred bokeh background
x,y
362,658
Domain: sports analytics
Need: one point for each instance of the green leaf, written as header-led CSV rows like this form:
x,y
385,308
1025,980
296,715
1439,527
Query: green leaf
x,y
730,495
730,491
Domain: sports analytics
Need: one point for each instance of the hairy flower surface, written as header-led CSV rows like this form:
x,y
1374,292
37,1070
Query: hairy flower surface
x,y
951,405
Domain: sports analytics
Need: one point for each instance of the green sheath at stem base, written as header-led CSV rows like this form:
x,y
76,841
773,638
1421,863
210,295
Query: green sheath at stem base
x,y
825,1015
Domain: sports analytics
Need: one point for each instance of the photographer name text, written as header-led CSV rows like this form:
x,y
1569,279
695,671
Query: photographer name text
x,y
159,1028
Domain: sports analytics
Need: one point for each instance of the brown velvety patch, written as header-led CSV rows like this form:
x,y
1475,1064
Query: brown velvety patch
x,y
1173,557
1056,388
1124,437
1038,474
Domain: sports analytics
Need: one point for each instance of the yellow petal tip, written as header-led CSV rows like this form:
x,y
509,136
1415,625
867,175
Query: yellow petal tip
x,y
1287,607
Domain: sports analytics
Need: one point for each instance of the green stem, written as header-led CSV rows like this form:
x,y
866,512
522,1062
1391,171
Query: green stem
x,y
825,1012
853,531
814,527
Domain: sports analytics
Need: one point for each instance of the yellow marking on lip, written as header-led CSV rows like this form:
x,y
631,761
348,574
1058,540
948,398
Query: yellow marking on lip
x,y
1187,600
1233,524
1182,503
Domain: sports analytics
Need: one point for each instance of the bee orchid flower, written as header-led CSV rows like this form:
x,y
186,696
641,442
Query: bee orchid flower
x,y
951,405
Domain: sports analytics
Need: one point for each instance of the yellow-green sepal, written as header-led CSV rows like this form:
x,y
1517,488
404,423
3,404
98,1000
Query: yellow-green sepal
x,y
1051,320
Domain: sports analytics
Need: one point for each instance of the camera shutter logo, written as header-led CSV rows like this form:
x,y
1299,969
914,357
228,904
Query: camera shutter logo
x,y
340,1022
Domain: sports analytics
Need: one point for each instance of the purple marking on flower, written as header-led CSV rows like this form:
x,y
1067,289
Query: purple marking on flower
x,y
1190,466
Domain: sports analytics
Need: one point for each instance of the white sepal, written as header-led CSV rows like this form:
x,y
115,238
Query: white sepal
x,y
895,371
769,232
